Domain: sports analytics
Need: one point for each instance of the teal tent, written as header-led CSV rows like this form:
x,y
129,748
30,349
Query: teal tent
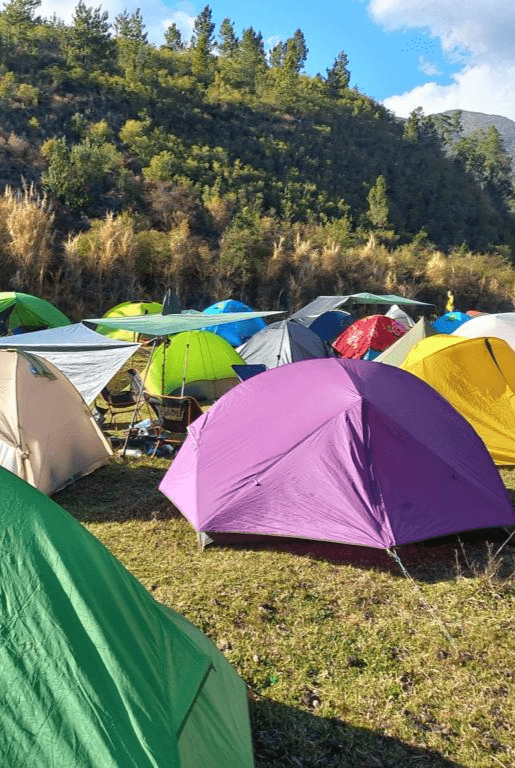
x,y
94,673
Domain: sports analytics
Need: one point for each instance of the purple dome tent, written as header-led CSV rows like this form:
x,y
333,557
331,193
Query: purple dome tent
x,y
337,450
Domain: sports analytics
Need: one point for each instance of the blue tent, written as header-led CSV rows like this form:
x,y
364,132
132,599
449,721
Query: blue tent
x,y
234,333
449,322
330,324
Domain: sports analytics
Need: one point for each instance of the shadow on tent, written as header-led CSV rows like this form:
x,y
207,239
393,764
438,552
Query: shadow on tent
x,y
284,735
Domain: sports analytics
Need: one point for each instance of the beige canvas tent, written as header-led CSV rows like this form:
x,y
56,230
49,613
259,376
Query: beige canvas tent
x,y
48,436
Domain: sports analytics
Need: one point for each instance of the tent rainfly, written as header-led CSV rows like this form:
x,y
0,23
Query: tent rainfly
x,y
234,333
307,314
88,359
29,312
477,376
166,325
336,450
398,351
501,325
128,309
48,435
198,362
284,342
95,672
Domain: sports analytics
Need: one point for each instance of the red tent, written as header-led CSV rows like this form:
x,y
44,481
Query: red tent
x,y
367,337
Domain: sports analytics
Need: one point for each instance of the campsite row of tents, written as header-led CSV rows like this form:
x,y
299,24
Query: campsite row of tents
x,y
318,446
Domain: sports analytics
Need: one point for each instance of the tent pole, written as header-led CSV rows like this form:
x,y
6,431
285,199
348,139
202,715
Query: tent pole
x,y
185,365
138,400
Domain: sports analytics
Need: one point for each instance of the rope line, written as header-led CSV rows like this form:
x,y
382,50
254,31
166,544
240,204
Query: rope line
x,y
393,553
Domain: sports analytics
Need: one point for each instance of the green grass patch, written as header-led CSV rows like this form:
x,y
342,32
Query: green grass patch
x,y
347,662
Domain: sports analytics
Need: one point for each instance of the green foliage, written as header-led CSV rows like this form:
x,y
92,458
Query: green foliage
x,y
338,76
173,38
88,43
74,173
203,29
378,207
228,42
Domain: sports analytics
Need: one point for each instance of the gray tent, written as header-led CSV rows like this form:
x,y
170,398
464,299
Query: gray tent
x,y
397,353
284,342
88,359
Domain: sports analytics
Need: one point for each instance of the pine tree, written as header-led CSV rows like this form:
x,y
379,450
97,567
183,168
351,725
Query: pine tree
x,y
132,41
228,42
296,52
173,38
203,29
338,76
88,42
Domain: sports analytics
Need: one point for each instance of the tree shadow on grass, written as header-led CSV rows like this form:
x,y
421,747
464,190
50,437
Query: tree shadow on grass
x,y
284,737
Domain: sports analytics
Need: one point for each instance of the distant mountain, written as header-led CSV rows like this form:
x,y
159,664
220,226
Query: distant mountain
x,y
474,121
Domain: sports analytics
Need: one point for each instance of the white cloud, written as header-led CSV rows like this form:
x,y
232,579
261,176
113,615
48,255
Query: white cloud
x,y
428,67
477,35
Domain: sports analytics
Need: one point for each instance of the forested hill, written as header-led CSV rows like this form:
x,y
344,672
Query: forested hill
x,y
99,118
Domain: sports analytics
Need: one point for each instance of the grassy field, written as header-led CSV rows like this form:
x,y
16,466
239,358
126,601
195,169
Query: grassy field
x,y
347,661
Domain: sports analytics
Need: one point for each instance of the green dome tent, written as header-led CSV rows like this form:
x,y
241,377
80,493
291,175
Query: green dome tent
x,y
207,360
29,312
128,309
95,672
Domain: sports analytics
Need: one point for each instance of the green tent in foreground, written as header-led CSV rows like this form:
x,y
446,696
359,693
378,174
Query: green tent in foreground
x,y
94,673
31,313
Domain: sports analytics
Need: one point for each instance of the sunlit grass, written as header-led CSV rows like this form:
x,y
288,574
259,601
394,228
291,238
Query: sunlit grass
x,y
348,663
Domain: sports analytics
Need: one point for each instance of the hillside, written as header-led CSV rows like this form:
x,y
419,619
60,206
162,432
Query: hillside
x,y
478,121
223,170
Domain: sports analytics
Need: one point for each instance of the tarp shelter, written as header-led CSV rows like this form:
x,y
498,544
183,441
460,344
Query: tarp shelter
x,y
88,359
398,351
201,358
128,309
234,333
337,450
165,325
330,324
450,322
307,314
48,435
477,376
93,671
501,325
369,336
399,314
30,312
284,342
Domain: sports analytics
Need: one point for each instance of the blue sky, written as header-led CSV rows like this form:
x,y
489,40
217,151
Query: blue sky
x,y
437,54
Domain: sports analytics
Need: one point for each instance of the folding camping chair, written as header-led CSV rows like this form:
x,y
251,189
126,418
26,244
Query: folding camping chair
x,y
174,415
128,399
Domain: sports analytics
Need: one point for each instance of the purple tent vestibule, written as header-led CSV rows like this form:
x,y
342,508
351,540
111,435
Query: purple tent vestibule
x,y
336,450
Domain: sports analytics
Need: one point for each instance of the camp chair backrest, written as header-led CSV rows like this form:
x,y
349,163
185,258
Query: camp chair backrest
x,y
175,413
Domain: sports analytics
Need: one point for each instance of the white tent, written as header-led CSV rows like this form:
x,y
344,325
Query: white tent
x,y
87,358
399,314
501,326
48,435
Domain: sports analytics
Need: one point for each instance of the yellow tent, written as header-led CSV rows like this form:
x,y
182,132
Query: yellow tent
x,y
477,376
129,309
